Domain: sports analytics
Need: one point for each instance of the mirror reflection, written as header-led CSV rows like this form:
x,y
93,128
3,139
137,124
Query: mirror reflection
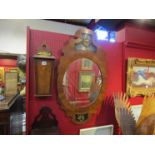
x,y
82,82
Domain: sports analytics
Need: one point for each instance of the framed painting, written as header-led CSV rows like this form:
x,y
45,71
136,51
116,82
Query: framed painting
x,y
11,79
2,74
85,81
140,77
100,130
13,69
86,64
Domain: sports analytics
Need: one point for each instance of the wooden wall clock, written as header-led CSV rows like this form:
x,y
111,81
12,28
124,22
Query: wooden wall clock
x,y
44,67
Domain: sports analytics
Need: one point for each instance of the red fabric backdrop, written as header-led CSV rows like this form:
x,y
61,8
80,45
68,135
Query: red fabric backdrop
x,y
116,57
138,43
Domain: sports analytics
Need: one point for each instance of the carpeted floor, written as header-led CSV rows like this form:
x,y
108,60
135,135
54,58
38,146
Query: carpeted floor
x,y
17,123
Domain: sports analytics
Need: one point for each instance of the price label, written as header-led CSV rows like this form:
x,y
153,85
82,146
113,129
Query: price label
x,y
44,63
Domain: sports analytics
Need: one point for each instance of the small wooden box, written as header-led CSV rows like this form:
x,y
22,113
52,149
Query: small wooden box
x,y
44,69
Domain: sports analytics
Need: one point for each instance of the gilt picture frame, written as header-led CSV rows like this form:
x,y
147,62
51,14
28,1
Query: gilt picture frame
x,y
140,77
86,64
85,81
2,74
13,69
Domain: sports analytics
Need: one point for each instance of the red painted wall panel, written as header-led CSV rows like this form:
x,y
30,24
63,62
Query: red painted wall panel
x,y
139,35
131,52
135,43
113,67
139,43
8,62
104,115
136,34
120,35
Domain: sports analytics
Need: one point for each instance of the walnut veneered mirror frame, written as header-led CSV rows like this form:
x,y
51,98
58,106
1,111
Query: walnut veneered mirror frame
x,y
81,77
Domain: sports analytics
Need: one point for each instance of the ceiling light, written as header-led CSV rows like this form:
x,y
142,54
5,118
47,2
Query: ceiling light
x,y
101,34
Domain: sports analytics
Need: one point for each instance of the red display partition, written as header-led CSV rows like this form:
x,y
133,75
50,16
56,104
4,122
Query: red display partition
x,y
8,62
33,104
56,42
138,43
114,67
132,52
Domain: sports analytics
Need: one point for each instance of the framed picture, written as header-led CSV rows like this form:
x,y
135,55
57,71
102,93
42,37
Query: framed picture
x,y
10,83
86,64
100,130
13,70
85,81
1,74
140,77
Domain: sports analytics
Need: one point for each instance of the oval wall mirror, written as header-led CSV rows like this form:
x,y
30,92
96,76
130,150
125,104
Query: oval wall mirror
x,y
82,83
81,77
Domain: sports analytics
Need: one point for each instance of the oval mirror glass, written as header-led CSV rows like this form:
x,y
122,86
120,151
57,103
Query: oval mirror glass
x,y
82,82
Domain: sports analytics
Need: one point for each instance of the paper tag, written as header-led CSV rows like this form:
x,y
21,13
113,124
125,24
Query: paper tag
x,y
44,63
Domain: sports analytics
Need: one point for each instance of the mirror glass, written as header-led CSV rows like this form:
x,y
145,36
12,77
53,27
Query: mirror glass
x,y
82,82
